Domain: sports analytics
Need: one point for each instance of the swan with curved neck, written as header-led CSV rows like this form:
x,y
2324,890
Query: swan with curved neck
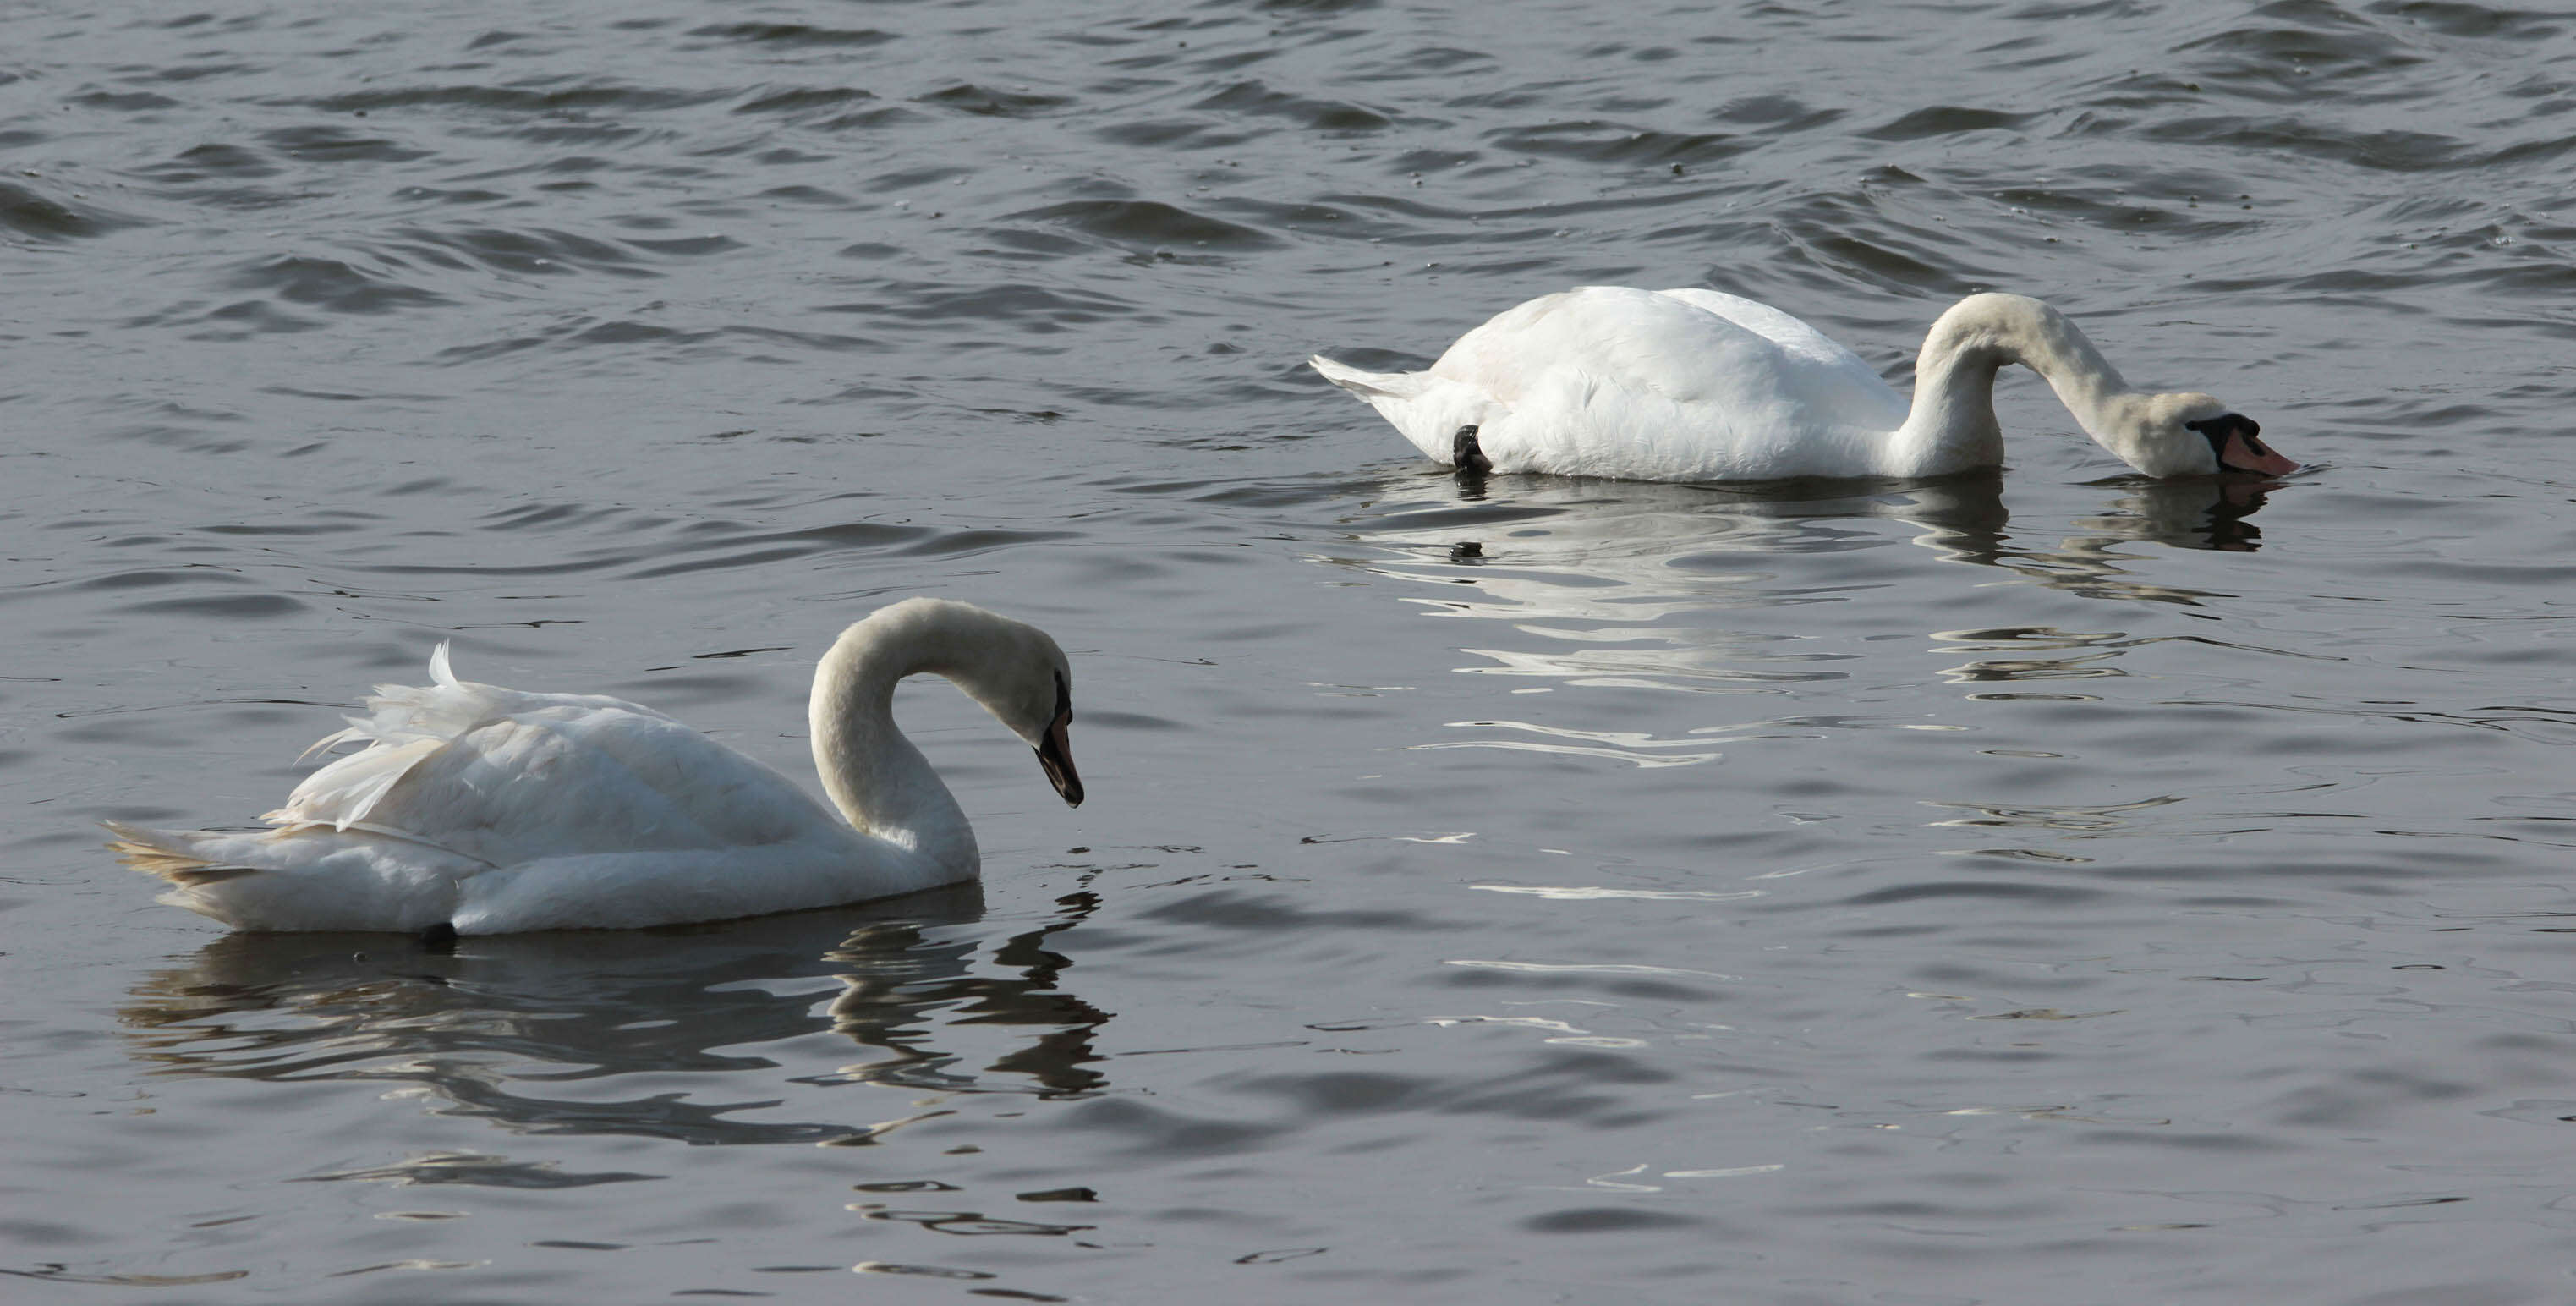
x,y
1698,385
475,809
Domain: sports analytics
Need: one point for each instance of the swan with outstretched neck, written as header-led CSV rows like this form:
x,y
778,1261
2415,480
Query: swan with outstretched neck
x,y
475,809
1699,385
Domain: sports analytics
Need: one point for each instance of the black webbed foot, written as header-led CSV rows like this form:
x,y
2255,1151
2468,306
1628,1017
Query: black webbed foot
x,y
1467,455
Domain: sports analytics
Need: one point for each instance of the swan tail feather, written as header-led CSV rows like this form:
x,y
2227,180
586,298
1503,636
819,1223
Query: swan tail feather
x,y
170,854
1372,385
298,879
1429,410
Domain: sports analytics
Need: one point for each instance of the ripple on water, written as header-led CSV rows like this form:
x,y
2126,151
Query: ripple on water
x,y
1031,309
35,214
1148,224
797,35
1255,99
988,102
480,1170
520,253
333,285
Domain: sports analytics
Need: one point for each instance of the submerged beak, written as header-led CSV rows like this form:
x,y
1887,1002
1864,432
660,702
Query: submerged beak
x,y
1056,755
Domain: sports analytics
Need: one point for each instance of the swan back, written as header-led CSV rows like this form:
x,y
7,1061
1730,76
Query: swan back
x,y
1675,385
1613,381
480,771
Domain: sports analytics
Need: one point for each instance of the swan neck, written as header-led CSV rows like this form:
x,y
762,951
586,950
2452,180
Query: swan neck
x,y
1952,424
880,782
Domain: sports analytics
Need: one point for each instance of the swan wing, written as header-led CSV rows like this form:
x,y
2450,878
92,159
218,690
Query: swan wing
x,y
403,726
561,779
1799,341
1692,385
502,776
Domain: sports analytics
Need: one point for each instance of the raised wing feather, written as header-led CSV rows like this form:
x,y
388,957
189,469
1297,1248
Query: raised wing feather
x,y
504,776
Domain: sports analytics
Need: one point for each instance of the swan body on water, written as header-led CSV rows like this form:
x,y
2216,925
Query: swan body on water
x,y
485,810
1698,385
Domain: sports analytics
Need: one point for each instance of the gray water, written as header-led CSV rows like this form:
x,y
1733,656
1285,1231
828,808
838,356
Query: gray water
x,y
2048,887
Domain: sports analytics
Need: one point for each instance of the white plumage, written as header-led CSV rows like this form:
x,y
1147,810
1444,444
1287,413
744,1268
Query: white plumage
x,y
1698,385
496,810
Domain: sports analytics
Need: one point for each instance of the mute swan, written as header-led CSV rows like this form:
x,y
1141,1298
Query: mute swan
x,y
482,810
1696,385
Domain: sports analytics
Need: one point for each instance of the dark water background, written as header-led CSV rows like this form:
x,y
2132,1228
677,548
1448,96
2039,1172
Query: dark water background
x,y
2044,888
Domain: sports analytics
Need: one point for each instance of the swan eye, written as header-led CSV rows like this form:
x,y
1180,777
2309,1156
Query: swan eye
x,y
2217,429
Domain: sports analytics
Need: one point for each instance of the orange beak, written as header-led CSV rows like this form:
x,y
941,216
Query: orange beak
x,y
2246,452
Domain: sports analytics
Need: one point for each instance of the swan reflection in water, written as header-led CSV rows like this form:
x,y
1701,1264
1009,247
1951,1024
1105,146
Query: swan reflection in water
x,y
1672,538
1669,586
485,1027
2208,514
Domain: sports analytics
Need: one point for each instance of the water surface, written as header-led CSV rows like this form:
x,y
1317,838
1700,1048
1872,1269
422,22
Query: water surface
x,y
2015,888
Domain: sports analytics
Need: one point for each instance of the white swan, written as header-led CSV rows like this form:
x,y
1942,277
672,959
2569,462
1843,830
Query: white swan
x,y
484,810
1696,385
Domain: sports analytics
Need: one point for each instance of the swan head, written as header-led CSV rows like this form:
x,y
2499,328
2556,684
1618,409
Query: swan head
x,y
1055,751
1010,667
2187,435
1022,678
